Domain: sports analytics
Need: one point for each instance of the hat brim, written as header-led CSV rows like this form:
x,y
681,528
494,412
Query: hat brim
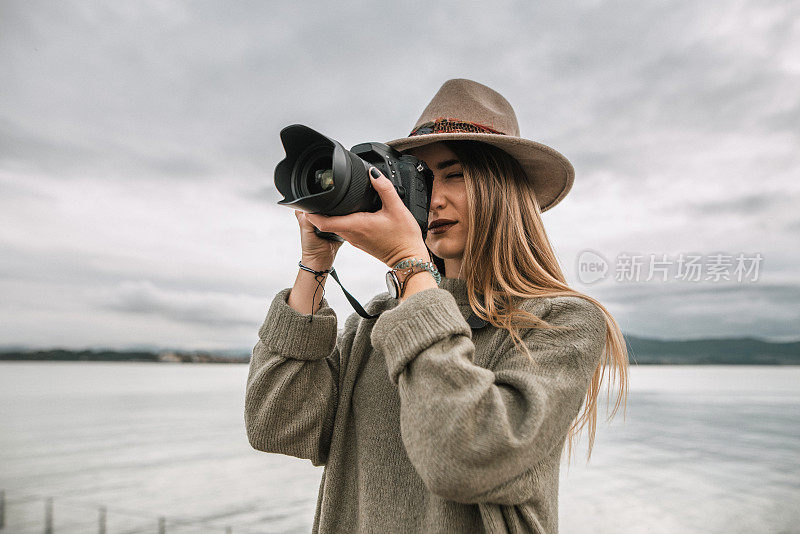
x,y
552,174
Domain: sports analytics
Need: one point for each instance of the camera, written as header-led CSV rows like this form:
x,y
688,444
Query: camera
x,y
319,175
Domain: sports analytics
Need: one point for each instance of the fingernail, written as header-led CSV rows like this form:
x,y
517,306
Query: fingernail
x,y
375,173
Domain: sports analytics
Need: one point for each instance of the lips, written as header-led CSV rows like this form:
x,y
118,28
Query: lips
x,y
441,229
440,222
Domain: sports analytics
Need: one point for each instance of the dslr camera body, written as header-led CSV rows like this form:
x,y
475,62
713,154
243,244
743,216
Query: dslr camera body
x,y
318,175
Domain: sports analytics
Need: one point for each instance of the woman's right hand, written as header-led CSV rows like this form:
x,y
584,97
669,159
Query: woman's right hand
x,y
317,253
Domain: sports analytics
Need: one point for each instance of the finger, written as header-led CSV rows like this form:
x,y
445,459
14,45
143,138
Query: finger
x,y
325,223
301,218
385,189
339,224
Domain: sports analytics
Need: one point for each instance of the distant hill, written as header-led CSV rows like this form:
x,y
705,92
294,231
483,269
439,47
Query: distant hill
x,y
641,351
121,356
727,351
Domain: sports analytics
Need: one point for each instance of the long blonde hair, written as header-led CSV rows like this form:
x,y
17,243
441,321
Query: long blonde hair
x,y
508,257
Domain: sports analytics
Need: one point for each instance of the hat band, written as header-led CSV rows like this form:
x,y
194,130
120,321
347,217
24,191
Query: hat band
x,y
445,125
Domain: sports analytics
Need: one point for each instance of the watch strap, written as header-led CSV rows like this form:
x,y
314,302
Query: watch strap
x,y
404,275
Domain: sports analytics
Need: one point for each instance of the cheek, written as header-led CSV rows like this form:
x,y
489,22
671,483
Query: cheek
x,y
462,232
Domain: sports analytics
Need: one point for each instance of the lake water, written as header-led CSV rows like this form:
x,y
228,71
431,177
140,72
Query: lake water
x,y
702,449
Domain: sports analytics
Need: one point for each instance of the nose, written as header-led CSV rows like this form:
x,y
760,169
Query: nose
x,y
437,198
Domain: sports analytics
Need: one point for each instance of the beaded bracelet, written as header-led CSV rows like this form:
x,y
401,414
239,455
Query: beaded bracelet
x,y
428,265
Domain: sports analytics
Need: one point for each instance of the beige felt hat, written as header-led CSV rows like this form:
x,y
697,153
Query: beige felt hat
x,y
465,109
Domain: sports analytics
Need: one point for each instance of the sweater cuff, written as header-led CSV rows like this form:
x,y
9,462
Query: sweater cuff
x,y
289,333
421,320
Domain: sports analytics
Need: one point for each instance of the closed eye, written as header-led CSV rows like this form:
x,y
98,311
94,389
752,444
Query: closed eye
x,y
454,175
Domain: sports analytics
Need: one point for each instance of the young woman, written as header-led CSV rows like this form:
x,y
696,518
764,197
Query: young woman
x,y
450,411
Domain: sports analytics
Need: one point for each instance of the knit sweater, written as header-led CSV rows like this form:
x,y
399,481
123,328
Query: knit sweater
x,y
423,424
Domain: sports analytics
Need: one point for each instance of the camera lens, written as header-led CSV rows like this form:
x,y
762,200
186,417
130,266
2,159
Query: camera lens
x,y
324,178
316,174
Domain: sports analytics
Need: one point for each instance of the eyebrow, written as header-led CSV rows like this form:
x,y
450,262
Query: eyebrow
x,y
446,163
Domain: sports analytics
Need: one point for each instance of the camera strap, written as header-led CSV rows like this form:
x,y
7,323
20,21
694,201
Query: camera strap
x,y
473,320
353,302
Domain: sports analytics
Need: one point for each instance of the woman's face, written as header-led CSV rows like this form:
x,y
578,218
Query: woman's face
x,y
448,201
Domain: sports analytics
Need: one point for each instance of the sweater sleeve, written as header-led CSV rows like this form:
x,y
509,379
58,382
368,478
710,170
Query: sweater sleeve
x,y
293,382
474,434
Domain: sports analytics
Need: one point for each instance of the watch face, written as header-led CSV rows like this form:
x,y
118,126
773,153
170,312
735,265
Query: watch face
x,y
392,284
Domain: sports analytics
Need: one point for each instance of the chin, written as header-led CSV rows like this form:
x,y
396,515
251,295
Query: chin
x,y
446,246
447,253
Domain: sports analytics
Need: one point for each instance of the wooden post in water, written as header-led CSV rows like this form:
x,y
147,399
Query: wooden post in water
x,y
162,525
101,521
228,530
48,515
2,509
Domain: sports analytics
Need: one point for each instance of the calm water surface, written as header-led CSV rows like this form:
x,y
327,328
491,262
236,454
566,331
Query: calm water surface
x,y
702,449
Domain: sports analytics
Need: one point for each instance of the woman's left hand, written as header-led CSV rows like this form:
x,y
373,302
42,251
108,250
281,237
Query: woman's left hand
x,y
389,234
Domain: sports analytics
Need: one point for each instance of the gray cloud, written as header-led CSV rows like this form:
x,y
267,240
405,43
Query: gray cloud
x,y
138,143
759,309
23,150
755,203
206,308
687,294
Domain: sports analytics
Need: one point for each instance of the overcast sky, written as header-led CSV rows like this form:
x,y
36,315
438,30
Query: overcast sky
x,y
138,142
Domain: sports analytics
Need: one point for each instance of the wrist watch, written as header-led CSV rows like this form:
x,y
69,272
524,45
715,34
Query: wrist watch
x,y
397,278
